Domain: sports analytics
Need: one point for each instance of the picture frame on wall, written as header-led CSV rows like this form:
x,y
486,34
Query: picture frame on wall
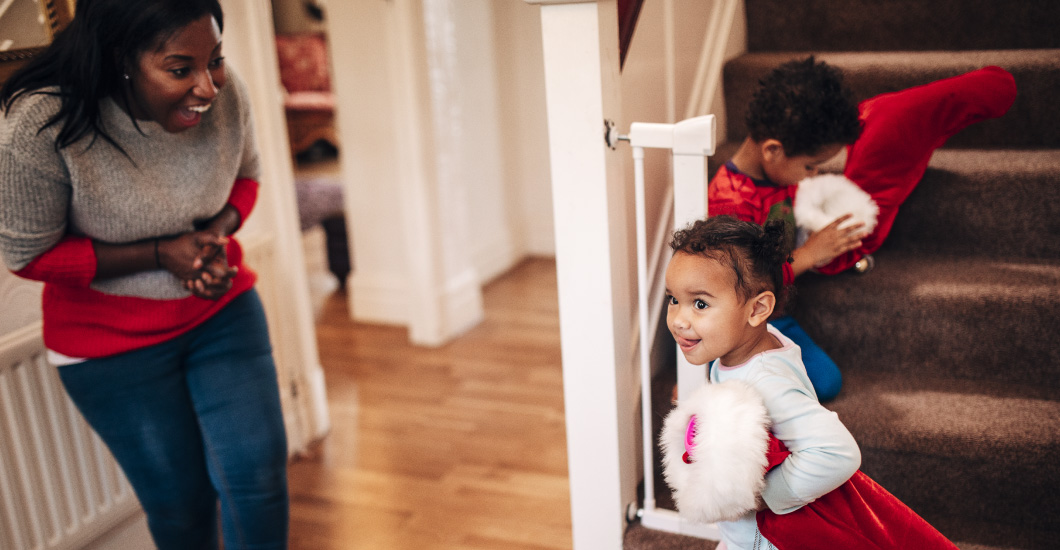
x,y
26,29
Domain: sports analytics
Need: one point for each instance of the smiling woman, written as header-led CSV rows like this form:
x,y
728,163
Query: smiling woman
x,y
127,162
27,27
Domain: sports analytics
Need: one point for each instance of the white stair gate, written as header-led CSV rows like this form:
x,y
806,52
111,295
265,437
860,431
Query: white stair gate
x,y
691,142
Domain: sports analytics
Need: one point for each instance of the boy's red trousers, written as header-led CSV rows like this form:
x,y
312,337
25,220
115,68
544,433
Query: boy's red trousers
x,y
900,131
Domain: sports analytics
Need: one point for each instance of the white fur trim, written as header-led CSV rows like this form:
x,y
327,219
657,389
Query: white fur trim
x,y
728,466
821,199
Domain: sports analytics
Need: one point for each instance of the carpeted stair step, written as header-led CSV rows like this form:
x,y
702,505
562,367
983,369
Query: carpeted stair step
x,y
973,458
638,537
872,25
1032,122
948,347
963,451
999,203
962,317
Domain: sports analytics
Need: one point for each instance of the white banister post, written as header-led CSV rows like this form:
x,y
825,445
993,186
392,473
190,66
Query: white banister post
x,y
272,231
594,264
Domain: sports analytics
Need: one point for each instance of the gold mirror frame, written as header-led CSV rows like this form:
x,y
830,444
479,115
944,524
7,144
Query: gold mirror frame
x,y
58,13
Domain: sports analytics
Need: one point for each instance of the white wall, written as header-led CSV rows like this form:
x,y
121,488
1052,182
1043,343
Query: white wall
x,y
520,72
444,159
366,119
271,236
468,123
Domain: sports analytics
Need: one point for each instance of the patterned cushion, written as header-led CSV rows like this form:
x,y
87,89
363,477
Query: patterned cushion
x,y
303,62
318,200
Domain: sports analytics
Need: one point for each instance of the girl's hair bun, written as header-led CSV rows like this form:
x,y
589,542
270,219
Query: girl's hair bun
x,y
757,254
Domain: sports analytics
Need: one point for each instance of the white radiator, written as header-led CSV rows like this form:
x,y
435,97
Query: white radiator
x,y
59,486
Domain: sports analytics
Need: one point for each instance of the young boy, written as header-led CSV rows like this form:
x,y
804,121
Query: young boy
x,y
800,117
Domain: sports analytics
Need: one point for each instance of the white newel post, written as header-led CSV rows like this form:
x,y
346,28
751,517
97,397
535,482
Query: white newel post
x,y
272,236
594,265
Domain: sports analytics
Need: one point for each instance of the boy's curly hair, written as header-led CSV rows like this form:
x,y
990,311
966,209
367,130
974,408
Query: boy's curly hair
x,y
755,253
804,105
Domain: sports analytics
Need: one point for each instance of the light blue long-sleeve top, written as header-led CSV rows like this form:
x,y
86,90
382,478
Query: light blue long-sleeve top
x,y
823,453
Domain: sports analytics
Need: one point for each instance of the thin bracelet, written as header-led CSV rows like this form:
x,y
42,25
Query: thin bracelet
x,y
158,260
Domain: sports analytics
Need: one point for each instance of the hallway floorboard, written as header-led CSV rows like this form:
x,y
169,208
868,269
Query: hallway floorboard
x,y
460,447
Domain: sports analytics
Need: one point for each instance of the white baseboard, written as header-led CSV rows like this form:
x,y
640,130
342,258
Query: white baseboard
x,y
320,417
463,306
494,258
379,299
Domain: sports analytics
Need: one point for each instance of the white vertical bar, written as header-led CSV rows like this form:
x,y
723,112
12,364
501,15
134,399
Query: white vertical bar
x,y
53,399
12,443
643,285
99,456
41,423
689,205
693,142
81,446
21,449
670,58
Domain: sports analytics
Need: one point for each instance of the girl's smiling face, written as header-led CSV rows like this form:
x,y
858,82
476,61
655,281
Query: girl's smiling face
x,y
175,83
706,316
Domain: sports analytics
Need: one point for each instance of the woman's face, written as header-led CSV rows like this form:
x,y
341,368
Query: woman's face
x,y
175,83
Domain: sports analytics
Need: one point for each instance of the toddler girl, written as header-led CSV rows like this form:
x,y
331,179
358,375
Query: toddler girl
x,y
722,284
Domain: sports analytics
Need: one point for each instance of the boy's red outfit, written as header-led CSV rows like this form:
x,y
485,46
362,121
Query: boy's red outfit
x,y
900,131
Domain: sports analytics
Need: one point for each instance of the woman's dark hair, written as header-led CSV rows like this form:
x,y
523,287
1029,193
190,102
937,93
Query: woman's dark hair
x,y
87,60
805,106
756,254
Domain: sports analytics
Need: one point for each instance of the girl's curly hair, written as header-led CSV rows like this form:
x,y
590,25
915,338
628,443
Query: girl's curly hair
x,y
805,106
755,253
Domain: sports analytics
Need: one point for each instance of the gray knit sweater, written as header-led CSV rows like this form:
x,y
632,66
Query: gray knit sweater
x,y
167,183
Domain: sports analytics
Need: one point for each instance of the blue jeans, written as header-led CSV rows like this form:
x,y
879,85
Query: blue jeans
x,y
823,372
192,421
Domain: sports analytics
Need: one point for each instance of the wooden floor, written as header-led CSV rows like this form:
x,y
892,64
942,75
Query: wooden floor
x,y
457,448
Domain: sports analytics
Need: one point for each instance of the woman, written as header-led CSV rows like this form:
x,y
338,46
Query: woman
x,y
126,159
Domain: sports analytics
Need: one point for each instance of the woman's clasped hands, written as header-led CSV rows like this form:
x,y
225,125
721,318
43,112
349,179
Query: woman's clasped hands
x,y
200,260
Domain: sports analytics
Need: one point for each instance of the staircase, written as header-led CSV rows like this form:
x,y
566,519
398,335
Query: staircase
x,y
950,347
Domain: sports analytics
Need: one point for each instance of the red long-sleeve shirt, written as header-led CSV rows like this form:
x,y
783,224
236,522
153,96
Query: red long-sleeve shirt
x,y
82,322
